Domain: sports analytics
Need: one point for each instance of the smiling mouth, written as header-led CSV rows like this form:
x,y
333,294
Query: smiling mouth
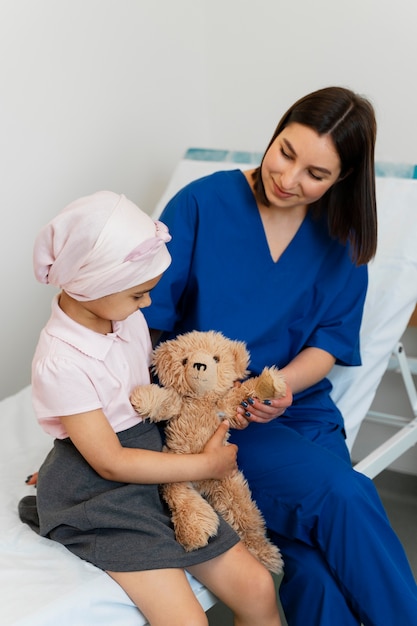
x,y
280,192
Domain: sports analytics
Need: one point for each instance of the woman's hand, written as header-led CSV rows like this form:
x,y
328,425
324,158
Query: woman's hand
x,y
254,410
306,369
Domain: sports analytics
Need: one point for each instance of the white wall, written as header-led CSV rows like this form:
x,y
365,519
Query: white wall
x,y
109,93
263,55
95,94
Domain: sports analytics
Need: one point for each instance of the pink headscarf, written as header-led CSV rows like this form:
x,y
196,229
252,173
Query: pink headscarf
x,y
99,245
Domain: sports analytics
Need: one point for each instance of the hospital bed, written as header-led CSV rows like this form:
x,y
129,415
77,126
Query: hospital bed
x,y
43,584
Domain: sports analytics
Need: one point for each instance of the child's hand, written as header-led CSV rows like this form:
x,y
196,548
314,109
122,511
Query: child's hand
x,y
222,457
32,479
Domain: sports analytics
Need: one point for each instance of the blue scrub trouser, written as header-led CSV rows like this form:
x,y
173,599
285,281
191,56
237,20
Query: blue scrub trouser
x,y
344,565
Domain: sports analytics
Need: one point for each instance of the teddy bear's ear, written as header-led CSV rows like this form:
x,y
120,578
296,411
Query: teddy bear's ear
x,y
161,358
167,363
241,356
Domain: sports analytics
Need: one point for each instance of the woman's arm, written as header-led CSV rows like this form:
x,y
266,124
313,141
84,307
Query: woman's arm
x,y
306,369
95,439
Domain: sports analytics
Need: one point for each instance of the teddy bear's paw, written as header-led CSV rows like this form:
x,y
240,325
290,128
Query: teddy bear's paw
x,y
194,519
272,559
198,528
155,403
142,399
269,384
275,382
195,524
270,556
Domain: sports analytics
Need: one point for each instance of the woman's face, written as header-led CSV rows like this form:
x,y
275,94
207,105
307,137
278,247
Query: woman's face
x,y
299,167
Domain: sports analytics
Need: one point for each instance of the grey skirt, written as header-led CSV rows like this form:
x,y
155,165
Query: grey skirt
x,y
119,527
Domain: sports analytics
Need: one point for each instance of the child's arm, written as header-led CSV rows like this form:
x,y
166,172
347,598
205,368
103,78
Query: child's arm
x,y
95,439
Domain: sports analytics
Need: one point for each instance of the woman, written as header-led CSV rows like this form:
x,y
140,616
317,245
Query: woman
x,y
276,257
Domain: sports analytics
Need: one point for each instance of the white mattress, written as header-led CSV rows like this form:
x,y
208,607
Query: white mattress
x,y
42,583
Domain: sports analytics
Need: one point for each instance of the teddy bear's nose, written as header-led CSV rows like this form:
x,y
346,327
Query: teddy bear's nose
x,y
200,366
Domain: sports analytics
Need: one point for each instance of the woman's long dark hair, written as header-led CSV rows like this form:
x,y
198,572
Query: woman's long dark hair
x,y
350,204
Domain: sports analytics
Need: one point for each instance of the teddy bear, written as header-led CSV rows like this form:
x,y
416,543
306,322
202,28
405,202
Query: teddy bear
x,y
197,373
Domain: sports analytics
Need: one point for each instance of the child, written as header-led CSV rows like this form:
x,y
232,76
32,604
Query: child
x,y
98,487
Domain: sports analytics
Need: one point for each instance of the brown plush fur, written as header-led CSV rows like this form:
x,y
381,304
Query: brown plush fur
x,y
198,371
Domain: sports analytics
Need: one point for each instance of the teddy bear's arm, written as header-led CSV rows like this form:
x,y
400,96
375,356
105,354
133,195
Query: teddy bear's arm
x,y
155,402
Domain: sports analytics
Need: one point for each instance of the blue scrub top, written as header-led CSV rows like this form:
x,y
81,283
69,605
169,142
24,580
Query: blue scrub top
x,y
223,278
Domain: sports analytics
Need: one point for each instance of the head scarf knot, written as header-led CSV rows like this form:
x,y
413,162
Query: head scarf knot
x,y
99,245
150,246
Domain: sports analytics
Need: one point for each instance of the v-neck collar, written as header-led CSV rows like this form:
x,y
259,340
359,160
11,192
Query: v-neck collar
x,y
259,225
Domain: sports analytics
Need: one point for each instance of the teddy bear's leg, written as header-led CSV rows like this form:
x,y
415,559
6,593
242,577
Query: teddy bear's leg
x,y
195,521
232,499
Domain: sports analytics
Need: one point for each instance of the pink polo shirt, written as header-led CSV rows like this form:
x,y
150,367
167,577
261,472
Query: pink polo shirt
x,y
75,370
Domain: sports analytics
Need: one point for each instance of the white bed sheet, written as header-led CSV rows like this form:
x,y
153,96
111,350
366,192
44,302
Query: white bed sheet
x,y
41,582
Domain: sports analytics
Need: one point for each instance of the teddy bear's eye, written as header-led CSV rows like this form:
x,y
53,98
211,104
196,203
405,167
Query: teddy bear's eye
x,y
216,359
185,361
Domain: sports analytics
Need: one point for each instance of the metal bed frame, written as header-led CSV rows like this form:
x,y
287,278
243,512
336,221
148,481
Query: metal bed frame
x,y
406,437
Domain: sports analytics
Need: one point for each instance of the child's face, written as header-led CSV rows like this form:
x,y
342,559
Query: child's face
x,y
118,306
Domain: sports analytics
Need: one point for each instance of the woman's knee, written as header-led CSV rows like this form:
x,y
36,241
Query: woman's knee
x,y
352,490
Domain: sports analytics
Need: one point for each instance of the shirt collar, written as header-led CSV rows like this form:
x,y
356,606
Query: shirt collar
x,y
87,341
